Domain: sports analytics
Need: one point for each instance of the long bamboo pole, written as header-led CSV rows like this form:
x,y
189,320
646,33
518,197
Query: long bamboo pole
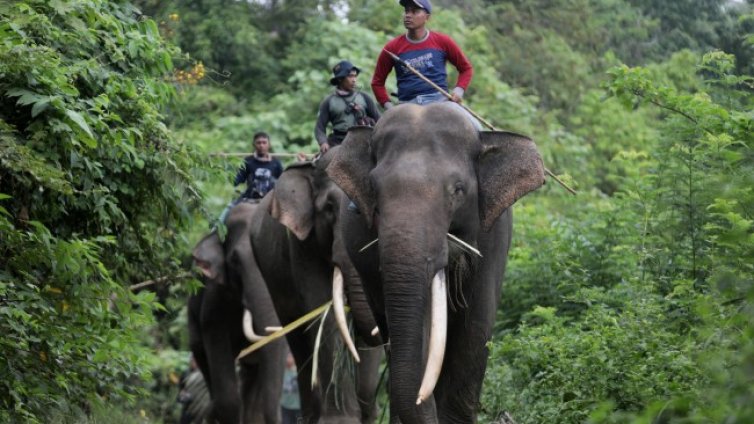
x,y
242,154
474,114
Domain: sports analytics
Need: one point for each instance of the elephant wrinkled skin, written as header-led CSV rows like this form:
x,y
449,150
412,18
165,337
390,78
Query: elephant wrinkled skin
x,y
421,173
297,246
215,328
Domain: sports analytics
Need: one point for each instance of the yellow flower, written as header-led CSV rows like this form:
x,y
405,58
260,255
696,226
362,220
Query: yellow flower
x,y
174,17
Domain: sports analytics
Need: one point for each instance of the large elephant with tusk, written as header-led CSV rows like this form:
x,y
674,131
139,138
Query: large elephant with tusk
x,y
430,241
222,317
299,252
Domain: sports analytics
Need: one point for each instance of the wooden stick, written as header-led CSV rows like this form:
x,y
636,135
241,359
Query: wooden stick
x,y
474,114
277,155
159,280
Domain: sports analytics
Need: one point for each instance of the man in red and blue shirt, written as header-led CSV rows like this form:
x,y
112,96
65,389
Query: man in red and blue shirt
x,y
427,52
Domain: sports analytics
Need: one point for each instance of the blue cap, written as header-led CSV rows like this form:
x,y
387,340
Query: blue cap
x,y
341,70
424,4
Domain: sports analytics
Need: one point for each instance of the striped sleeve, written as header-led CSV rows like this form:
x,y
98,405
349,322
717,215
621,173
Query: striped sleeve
x,y
459,60
381,71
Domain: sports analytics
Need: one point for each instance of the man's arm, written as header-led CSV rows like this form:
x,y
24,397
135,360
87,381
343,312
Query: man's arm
x,y
323,117
381,71
462,64
241,175
372,110
278,168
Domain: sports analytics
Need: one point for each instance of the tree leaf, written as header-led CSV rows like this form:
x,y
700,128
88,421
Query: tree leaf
x,y
79,120
25,97
40,107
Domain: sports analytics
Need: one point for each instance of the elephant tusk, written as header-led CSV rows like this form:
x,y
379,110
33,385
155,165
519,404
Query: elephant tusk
x,y
366,246
340,313
437,336
272,329
465,245
248,328
375,331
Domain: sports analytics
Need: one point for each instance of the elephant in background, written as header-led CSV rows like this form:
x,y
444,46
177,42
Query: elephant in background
x,y
295,248
217,334
422,179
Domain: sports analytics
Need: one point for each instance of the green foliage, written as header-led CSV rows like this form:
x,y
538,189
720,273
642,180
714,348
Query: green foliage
x,y
69,330
625,348
95,191
629,303
637,307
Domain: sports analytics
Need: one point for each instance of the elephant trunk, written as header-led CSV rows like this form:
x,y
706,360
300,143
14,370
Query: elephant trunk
x,y
407,298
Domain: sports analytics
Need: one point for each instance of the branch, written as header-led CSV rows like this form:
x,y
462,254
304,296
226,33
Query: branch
x,y
160,280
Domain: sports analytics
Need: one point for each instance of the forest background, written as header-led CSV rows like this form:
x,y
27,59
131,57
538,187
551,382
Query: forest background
x,y
631,302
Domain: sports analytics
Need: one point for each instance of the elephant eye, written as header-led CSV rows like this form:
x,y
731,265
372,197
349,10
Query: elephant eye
x,y
460,188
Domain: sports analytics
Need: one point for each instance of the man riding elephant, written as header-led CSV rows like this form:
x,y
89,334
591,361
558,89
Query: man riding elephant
x,y
344,108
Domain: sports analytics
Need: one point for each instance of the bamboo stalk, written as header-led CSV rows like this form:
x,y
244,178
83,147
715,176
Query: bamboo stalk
x,y
285,330
474,114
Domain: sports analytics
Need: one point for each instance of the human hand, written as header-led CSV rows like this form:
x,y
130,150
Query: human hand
x,y
388,105
324,147
301,157
457,95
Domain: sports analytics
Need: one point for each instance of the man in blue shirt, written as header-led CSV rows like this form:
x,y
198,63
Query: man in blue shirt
x,y
259,171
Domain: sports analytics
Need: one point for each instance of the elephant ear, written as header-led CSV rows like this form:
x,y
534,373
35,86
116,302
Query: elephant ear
x,y
509,167
209,257
292,203
350,167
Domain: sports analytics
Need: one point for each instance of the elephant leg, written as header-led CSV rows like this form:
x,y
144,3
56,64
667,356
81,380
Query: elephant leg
x,y
469,330
261,385
271,380
218,319
251,405
224,390
196,344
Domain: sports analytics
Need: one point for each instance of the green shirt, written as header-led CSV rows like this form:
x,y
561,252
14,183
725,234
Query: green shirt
x,y
335,110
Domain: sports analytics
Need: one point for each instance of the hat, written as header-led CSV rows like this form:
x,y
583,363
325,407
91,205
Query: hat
x,y
424,4
341,70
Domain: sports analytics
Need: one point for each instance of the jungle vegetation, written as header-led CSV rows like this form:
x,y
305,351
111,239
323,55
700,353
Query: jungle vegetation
x,y
631,302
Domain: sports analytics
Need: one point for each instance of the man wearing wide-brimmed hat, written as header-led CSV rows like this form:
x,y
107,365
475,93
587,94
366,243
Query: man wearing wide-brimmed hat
x,y
344,108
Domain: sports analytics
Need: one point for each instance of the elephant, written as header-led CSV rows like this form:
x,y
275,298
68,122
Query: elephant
x,y
219,329
294,246
429,239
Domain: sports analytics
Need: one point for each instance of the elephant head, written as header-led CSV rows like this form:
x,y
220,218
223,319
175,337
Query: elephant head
x,y
307,202
209,258
422,173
